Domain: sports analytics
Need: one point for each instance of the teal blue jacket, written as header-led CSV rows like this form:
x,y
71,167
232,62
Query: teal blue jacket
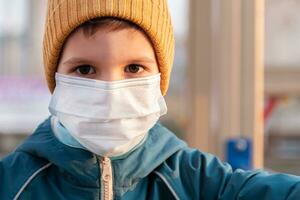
x,y
43,168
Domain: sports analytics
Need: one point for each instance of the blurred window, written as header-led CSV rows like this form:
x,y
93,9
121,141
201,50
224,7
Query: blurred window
x,y
282,86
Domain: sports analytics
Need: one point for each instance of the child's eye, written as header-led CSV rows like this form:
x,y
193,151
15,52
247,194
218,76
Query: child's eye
x,y
85,70
134,68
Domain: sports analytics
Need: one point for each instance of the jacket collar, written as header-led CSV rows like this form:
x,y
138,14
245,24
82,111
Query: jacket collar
x,y
83,167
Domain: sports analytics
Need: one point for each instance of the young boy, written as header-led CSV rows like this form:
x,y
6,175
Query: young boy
x,y
107,64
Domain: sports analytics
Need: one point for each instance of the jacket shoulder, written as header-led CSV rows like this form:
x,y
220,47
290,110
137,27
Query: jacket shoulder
x,y
197,175
194,161
188,171
15,171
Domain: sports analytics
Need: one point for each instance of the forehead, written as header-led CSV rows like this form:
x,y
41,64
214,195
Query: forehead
x,y
108,44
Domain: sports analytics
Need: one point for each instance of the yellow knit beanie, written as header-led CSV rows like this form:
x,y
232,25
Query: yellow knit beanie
x,y
63,16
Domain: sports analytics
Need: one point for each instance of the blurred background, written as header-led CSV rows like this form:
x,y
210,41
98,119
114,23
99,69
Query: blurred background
x,y
235,84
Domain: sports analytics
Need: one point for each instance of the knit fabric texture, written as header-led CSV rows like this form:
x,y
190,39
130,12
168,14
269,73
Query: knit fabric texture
x,y
63,16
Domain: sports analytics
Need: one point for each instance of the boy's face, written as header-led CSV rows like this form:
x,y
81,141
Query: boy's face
x,y
108,55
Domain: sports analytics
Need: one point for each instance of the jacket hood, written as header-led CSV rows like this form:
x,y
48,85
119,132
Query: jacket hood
x,y
82,166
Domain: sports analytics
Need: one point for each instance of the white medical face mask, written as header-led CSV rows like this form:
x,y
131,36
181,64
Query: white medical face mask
x,y
108,118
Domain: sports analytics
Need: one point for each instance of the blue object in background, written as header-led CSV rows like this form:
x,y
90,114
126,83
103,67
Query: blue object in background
x,y
239,153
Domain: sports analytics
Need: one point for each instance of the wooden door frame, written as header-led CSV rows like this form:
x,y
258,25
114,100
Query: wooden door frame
x,y
226,70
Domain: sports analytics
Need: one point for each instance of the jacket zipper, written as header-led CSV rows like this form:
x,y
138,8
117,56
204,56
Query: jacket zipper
x,y
106,179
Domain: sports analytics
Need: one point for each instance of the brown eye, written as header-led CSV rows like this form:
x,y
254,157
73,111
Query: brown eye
x,y
133,68
85,70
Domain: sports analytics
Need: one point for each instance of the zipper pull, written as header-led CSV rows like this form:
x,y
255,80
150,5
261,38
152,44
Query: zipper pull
x,y
107,182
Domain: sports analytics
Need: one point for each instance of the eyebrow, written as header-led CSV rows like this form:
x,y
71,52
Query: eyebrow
x,y
78,60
